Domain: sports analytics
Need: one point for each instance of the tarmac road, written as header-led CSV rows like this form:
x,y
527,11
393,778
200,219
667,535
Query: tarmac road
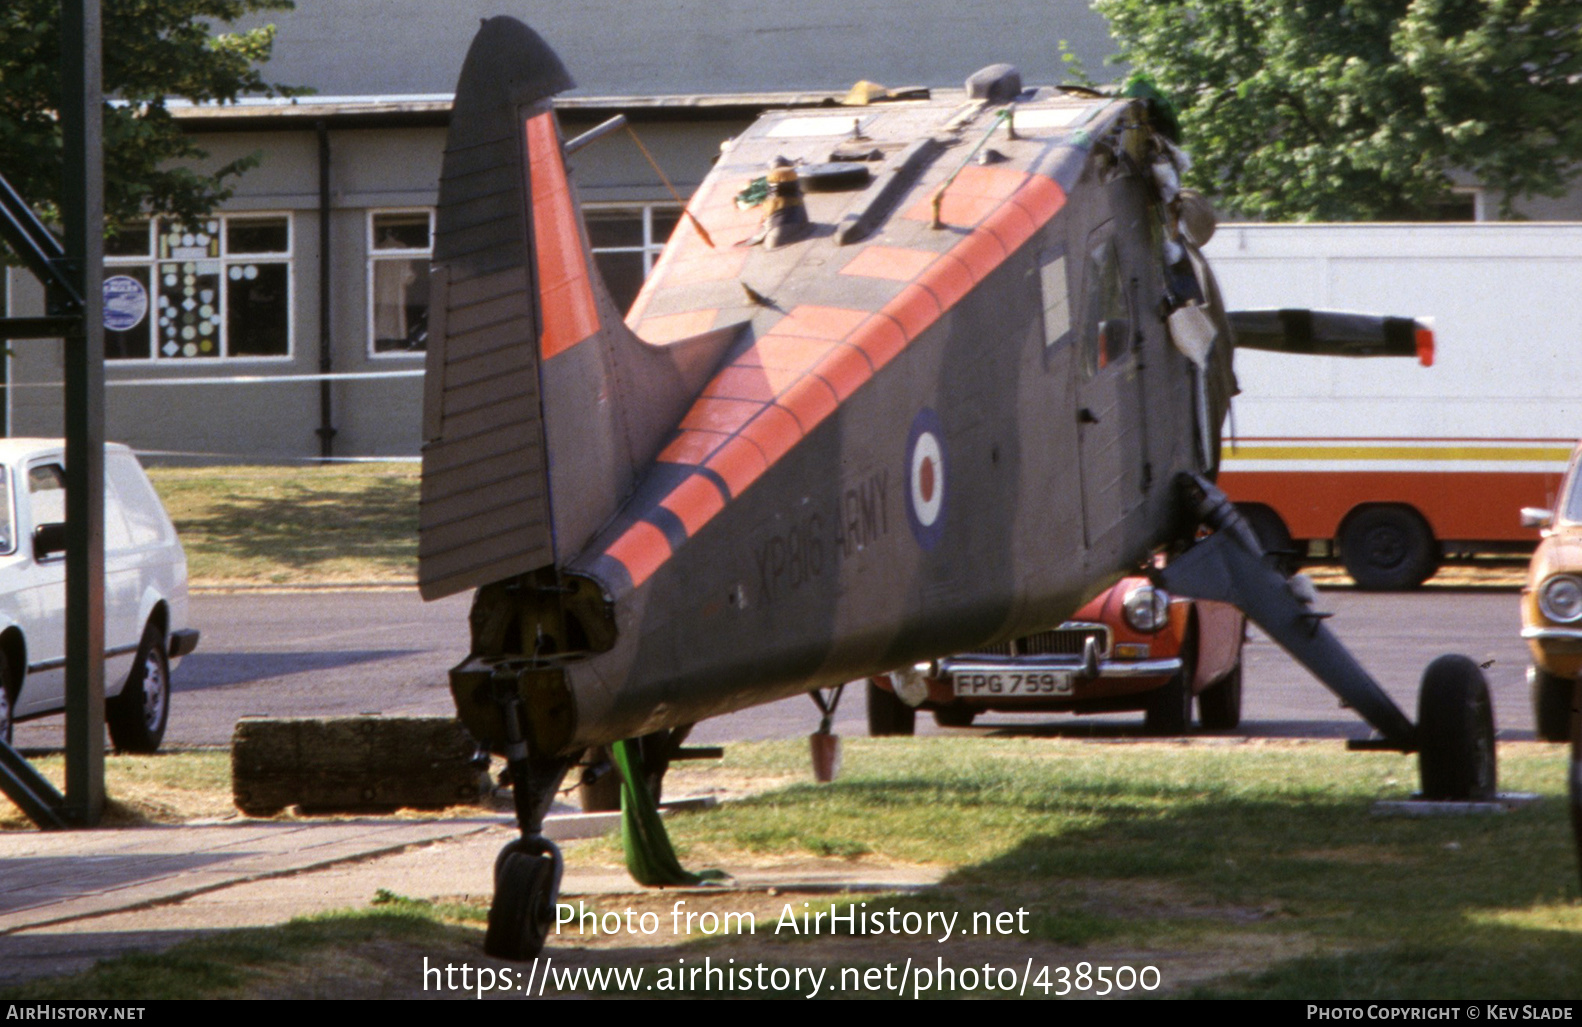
x,y
317,653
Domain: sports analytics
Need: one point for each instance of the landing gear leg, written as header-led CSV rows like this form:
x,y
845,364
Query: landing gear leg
x,y
1455,733
527,871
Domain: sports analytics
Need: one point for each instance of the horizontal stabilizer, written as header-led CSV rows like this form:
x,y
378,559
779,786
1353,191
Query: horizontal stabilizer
x,y
1333,333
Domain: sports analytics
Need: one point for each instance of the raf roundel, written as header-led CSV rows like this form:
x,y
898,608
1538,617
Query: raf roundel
x,y
926,481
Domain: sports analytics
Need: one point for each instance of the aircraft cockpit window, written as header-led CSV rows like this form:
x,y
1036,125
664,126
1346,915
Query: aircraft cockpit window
x,y
1106,321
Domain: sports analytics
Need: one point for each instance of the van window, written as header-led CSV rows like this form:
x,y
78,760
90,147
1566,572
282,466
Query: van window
x,y
47,485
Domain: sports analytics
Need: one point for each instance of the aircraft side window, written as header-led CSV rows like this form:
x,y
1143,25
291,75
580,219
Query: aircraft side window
x,y
1106,322
1056,298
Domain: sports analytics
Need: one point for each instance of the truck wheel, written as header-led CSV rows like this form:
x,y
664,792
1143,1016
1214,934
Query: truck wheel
x,y
887,714
137,716
1455,732
1551,704
1387,548
1219,705
1272,534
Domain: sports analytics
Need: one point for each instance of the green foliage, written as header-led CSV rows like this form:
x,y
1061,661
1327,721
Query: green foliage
x,y
153,50
1361,109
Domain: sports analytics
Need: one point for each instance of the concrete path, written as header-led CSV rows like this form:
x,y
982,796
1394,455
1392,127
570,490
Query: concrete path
x,y
69,899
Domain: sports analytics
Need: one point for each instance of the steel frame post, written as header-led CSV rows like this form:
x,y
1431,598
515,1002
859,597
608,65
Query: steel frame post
x,y
82,215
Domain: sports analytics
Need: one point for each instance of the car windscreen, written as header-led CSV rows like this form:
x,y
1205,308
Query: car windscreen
x,y
1572,510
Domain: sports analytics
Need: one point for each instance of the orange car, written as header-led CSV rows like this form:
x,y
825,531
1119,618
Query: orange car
x,y
1552,607
1132,648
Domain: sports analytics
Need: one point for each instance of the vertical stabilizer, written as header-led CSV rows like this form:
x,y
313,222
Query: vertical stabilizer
x,y
540,406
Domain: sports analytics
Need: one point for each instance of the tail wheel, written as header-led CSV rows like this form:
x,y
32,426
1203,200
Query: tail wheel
x,y
524,903
137,717
1551,704
1455,732
887,714
1388,548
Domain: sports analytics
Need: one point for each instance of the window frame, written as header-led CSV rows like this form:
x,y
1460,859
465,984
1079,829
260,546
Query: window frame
x,y
373,256
151,261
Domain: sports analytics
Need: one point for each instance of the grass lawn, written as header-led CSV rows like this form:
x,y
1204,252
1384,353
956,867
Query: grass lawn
x,y
1237,869
295,525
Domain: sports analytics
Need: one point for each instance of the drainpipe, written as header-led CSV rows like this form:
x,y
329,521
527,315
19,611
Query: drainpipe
x,y
326,429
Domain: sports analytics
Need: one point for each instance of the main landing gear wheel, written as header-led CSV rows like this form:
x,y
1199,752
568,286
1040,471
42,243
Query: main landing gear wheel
x,y
1455,732
526,886
887,714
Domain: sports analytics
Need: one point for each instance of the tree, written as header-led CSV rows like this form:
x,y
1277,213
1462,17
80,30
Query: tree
x,y
153,50
1363,109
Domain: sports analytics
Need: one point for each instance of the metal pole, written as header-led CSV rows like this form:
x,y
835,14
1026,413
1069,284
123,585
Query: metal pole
x,y
82,216
326,430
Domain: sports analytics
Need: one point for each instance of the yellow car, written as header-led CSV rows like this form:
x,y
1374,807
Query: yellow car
x,y
1552,607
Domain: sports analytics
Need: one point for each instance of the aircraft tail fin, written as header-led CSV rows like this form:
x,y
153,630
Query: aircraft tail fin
x,y
540,406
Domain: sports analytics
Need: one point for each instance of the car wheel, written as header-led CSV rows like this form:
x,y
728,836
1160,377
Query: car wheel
x,y
137,716
1387,548
1169,710
887,714
6,719
1455,732
1273,535
1219,705
1551,704
955,716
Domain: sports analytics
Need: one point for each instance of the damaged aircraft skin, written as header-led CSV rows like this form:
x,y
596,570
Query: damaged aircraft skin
x,y
908,379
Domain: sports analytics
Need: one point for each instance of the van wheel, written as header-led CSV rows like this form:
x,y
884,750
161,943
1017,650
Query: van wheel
x,y
1388,548
137,716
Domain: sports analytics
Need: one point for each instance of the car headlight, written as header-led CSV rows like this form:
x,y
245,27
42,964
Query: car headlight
x,y
1560,598
1146,608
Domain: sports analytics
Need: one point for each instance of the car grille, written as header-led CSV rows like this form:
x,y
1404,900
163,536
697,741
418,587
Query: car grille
x,y
1066,640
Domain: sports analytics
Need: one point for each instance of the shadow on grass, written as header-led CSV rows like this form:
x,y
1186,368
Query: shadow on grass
x,y
303,527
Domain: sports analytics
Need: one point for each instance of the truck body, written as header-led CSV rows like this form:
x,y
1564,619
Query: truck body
x,y
1396,462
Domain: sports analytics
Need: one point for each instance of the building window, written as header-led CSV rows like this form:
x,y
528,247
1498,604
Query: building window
x,y
400,246
218,289
625,242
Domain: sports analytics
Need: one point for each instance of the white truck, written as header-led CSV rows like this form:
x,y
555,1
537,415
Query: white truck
x,y
1388,464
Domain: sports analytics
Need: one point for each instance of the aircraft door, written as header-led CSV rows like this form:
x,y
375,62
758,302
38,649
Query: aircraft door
x,y
1109,429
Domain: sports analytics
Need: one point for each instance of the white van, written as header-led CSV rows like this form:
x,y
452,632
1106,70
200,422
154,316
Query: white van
x,y
145,594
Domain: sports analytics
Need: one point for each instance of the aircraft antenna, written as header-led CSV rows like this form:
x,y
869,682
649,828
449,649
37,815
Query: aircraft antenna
x,y
939,194
660,172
